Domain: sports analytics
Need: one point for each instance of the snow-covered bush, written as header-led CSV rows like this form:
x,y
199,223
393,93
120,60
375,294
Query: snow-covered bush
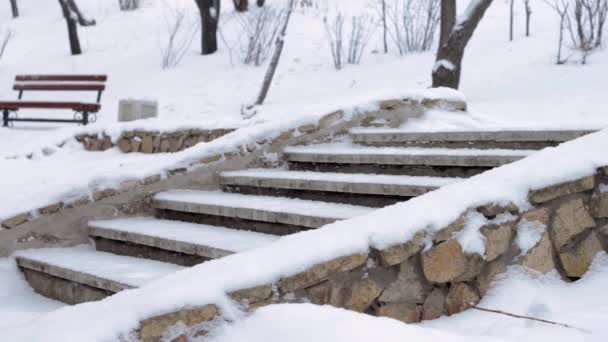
x,y
180,32
258,29
347,44
411,24
583,21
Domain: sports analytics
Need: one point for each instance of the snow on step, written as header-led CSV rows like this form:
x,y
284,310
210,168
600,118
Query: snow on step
x,y
379,135
84,265
336,182
189,238
355,154
312,214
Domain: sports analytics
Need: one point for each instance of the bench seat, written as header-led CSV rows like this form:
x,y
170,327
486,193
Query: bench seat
x,y
77,106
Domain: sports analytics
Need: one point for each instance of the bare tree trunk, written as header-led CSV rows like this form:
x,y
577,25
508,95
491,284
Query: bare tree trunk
x,y
448,64
70,19
210,16
241,5
528,15
274,62
511,10
79,16
260,3
384,31
15,8
448,19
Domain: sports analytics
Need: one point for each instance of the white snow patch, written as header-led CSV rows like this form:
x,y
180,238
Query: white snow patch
x,y
603,188
470,237
443,63
529,234
19,304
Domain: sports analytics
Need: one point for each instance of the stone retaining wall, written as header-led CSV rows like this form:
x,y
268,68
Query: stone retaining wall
x,y
412,283
151,141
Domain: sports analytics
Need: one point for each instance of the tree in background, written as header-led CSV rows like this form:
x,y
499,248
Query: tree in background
x,y
249,111
70,19
241,5
511,14
14,8
210,17
455,35
73,17
528,15
82,20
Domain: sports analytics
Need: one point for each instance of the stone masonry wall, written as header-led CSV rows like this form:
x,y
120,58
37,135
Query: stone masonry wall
x,y
411,283
151,141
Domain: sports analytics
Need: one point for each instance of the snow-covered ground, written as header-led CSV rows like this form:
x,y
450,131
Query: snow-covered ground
x,y
507,84
18,302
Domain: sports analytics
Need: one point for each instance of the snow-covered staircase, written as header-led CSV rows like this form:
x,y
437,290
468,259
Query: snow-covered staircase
x,y
318,185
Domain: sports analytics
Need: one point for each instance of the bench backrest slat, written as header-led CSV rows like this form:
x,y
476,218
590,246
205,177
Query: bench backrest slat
x,y
61,78
59,87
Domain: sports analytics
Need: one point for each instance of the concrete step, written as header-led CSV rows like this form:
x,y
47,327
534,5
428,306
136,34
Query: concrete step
x,y
81,274
360,189
181,243
265,214
433,162
512,139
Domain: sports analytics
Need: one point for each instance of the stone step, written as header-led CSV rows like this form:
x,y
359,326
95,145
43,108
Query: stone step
x,y
511,139
81,274
361,189
265,214
415,161
177,242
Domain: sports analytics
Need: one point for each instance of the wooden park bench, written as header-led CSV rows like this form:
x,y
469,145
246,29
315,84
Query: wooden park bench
x,y
84,112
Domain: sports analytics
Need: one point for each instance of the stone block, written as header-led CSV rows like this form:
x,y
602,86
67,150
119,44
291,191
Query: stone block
x,y
397,254
488,274
446,233
498,239
51,208
321,272
444,262
410,285
16,220
571,219
599,202
495,209
252,295
434,305
124,145
461,297
560,190
540,257
147,144
211,159
131,110
153,329
404,312
362,294
577,259
307,128
101,194
330,119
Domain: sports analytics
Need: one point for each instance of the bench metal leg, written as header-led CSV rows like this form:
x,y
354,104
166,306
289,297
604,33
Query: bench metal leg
x,y
5,114
85,118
